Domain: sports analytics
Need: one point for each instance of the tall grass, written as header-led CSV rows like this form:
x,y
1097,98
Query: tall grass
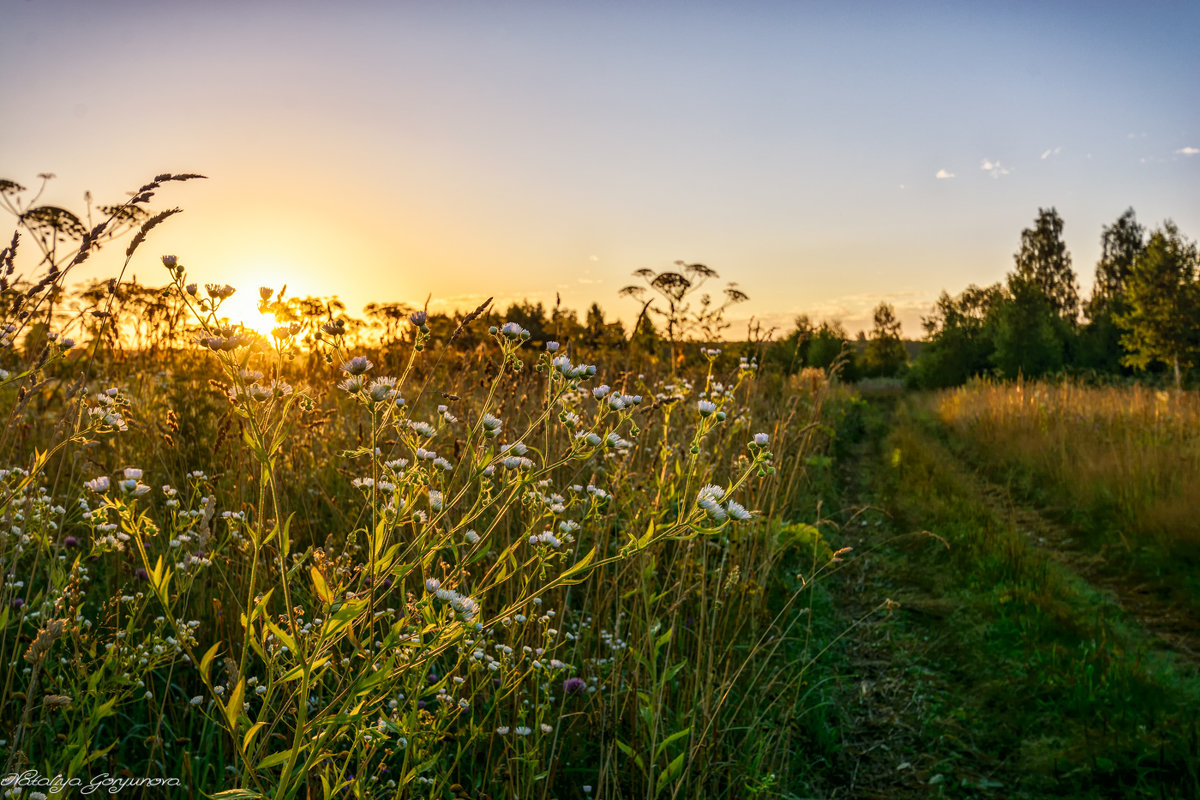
x,y
250,566
1124,459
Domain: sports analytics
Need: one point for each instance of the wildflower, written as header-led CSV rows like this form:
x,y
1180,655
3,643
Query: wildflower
x,y
98,485
761,439
352,385
600,391
435,500
382,389
546,728
335,327
357,365
471,536
573,685
141,574
170,262
706,407
70,541
432,585
502,730
197,700
491,425
511,330
552,347
523,731
191,289
737,511
219,292
418,318
132,472
265,292
422,429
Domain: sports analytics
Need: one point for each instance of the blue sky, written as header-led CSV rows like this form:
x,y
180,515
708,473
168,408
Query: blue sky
x,y
389,151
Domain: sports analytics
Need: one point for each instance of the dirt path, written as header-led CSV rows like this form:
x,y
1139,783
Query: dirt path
x,y
1166,618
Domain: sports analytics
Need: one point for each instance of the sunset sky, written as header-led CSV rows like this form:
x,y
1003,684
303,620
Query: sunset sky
x,y
823,155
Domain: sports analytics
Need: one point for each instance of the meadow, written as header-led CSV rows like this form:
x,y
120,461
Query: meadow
x,y
454,562
491,554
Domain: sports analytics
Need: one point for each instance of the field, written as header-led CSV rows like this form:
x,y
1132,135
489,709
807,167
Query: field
x,y
467,565
447,557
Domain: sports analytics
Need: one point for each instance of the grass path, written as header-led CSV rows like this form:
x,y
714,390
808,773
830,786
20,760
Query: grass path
x,y
1015,664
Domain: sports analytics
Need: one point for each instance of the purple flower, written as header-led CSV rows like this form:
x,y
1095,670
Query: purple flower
x,y
70,541
573,686
141,574
20,601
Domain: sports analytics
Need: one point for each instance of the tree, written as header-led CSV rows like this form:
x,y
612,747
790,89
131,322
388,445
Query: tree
x,y
1162,323
1120,246
1029,334
1043,262
960,338
884,353
1099,344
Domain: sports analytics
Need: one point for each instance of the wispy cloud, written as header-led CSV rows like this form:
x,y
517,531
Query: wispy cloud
x,y
1188,151
994,168
1051,152
943,175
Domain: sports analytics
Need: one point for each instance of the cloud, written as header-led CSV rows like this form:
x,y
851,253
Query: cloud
x,y
1188,151
1051,152
943,175
994,168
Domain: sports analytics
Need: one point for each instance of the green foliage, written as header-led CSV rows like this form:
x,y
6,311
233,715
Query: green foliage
x,y
1162,323
1043,262
884,354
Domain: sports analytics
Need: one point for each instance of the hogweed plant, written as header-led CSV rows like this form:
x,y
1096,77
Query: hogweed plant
x,y
486,574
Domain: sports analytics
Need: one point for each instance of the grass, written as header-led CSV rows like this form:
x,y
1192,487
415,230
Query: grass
x,y
1022,679
1120,464
300,566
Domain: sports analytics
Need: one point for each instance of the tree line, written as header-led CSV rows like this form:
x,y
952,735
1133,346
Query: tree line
x,y
1143,316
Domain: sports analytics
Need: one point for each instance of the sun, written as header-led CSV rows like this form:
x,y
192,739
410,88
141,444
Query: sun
x,y
242,308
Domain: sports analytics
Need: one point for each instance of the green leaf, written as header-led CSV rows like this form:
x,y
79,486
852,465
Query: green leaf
x,y
320,586
275,760
249,737
673,770
206,661
628,751
234,707
674,737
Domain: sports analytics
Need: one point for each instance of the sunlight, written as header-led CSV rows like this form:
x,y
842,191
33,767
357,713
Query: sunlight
x,y
242,307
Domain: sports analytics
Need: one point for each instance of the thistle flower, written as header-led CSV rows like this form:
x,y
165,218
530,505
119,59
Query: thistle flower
x,y
706,407
352,385
573,685
191,289
552,347
418,318
219,291
170,262
761,439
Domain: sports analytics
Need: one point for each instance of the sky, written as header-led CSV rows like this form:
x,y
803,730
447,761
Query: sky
x,y
825,156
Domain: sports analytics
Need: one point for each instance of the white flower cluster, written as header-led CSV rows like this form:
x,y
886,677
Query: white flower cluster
x,y
463,605
709,498
573,371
